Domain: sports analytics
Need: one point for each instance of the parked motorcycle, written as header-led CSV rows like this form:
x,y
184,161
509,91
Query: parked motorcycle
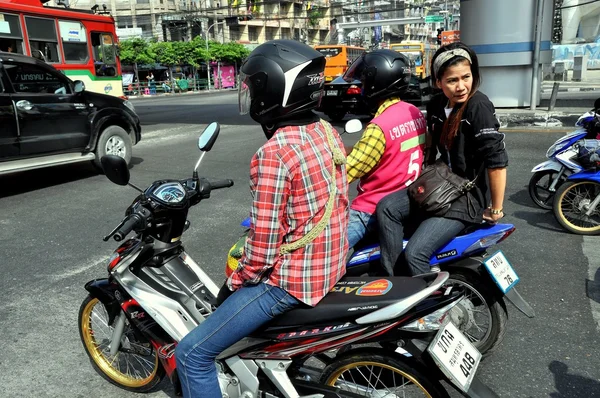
x,y
155,294
550,175
577,201
482,315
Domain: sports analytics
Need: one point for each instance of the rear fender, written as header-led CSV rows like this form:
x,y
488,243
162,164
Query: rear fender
x,y
104,290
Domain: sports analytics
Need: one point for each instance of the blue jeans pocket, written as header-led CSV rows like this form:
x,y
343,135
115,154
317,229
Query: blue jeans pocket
x,y
283,301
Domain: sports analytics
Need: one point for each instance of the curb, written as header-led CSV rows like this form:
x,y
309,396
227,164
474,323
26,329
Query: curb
x,y
202,92
571,90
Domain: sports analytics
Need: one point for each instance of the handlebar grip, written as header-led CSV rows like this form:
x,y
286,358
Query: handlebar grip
x,y
128,226
221,184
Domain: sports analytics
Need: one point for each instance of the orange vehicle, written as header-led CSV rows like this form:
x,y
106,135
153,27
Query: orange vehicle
x,y
338,58
81,44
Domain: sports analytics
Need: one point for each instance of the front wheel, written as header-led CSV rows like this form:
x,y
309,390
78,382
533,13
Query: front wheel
x,y
572,202
481,315
380,375
135,366
539,187
113,141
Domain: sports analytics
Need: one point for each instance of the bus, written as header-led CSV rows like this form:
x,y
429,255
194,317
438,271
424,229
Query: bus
x,y
81,44
338,58
419,54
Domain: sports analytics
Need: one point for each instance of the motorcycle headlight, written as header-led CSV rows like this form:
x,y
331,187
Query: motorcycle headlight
x,y
129,105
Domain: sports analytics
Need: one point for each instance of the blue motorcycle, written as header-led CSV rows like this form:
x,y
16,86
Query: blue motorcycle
x,y
577,201
487,279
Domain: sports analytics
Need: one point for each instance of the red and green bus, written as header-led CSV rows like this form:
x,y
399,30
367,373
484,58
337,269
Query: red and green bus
x,y
81,44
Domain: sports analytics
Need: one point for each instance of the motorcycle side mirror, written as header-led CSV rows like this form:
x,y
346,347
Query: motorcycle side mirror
x,y
115,169
208,137
353,126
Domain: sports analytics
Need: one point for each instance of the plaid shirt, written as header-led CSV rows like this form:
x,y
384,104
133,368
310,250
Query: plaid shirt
x,y
290,181
367,152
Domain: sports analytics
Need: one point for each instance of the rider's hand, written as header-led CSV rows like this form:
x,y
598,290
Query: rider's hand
x,y
492,218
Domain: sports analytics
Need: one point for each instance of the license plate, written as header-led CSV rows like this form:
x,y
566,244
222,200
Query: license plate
x,y
332,93
501,271
454,354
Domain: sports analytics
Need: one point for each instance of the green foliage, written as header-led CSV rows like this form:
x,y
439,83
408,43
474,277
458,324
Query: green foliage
x,y
313,17
194,52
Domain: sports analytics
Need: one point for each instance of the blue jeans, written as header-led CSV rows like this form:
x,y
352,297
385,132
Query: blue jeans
x,y
240,314
359,223
432,234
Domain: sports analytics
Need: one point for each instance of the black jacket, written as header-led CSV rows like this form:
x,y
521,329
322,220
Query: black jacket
x,y
478,146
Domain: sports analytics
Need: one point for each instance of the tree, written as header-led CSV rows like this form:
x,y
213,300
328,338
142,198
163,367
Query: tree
x,y
136,50
228,52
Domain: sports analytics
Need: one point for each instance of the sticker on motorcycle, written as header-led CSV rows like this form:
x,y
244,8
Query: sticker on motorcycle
x,y
375,288
501,271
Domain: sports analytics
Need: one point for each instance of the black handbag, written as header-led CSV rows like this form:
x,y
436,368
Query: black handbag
x,y
436,188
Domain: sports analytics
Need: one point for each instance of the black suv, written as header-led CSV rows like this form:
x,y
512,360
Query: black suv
x,y
47,119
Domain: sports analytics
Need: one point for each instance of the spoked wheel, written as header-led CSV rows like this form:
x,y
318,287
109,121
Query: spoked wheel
x,y
135,367
380,376
479,315
539,187
571,203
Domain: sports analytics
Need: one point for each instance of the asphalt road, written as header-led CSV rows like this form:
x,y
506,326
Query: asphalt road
x,y
52,222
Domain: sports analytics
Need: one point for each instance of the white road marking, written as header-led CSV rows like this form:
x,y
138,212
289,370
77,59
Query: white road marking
x,y
88,264
590,250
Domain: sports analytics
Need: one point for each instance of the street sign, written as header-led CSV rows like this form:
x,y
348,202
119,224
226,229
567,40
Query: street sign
x,y
434,18
451,18
450,36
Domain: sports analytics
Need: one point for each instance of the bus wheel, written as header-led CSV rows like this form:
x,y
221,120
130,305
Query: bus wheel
x,y
113,141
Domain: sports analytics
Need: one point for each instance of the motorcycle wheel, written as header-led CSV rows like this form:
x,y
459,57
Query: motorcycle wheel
x,y
133,371
481,315
380,375
571,202
539,188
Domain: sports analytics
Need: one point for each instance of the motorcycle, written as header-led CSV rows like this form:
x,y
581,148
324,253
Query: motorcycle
x,y
155,294
550,175
577,202
482,315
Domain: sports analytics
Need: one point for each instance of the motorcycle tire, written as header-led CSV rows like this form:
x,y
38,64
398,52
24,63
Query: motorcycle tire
x,y
540,194
110,368
360,370
463,314
570,203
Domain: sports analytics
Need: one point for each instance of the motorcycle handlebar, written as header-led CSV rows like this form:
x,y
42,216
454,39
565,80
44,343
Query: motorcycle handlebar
x,y
221,184
130,223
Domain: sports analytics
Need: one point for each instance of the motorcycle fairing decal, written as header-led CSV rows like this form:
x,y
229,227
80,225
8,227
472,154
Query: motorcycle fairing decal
x,y
313,332
379,287
585,175
166,355
447,254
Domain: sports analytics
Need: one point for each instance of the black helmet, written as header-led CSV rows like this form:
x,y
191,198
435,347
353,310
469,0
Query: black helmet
x,y
383,73
279,79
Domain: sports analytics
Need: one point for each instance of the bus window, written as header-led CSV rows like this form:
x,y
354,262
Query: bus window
x,y
11,38
74,41
329,51
42,39
105,54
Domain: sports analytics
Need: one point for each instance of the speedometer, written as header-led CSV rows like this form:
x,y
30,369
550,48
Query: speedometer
x,y
170,192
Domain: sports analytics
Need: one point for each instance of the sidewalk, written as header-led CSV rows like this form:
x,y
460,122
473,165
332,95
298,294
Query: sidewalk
x,y
590,83
211,91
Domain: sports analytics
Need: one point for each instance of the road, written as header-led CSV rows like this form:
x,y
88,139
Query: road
x,y
53,220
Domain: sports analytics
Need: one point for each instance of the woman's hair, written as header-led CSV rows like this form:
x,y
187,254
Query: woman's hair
x,y
450,129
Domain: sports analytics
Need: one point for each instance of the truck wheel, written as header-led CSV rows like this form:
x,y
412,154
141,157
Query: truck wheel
x,y
113,141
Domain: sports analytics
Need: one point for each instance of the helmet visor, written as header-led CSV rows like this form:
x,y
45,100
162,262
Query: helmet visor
x,y
355,71
244,99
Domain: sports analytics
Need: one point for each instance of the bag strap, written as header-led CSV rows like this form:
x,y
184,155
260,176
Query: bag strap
x,y
471,184
338,159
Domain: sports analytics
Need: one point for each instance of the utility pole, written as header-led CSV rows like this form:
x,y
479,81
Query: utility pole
x,y
536,54
207,61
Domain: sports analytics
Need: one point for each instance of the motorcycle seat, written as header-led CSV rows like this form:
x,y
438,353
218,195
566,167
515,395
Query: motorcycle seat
x,y
351,298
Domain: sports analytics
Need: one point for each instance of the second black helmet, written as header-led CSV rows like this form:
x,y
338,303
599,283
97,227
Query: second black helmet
x,y
383,73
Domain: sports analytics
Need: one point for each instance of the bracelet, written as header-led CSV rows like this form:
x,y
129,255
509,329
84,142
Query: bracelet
x,y
495,211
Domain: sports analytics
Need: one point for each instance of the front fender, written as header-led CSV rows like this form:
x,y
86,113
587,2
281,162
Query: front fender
x,y
590,175
120,117
104,290
547,165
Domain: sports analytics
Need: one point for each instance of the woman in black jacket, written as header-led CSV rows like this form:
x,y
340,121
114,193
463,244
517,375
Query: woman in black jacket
x,y
463,129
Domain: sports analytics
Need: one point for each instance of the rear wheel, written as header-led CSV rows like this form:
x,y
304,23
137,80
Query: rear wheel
x,y
539,188
572,202
481,315
380,375
135,367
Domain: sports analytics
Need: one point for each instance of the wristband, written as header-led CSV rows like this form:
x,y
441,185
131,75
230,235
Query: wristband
x,y
495,211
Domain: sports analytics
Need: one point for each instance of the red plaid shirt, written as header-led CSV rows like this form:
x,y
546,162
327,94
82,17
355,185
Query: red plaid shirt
x,y
290,181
